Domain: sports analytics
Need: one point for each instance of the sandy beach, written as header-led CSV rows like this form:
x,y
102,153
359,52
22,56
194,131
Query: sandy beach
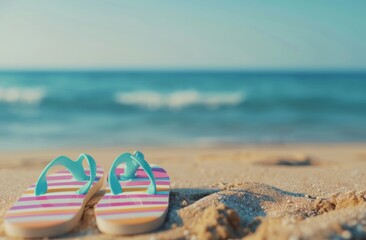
x,y
307,191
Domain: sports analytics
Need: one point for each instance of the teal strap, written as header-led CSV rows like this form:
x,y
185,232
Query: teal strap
x,y
75,167
133,162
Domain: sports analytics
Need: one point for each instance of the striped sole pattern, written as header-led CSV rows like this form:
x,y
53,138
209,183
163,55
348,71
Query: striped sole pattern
x,y
60,204
134,205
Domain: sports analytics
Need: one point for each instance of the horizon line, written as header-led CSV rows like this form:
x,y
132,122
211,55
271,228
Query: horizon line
x,y
187,70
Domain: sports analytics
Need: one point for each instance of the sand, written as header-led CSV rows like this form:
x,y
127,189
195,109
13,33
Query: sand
x,y
308,191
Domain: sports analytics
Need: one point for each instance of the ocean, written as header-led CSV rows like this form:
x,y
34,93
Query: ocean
x,y
40,110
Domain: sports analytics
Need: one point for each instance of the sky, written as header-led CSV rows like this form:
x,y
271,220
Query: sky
x,y
190,34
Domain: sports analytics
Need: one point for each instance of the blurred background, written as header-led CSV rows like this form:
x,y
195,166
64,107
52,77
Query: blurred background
x,y
169,73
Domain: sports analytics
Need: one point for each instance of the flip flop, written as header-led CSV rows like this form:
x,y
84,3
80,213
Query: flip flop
x,y
55,204
136,200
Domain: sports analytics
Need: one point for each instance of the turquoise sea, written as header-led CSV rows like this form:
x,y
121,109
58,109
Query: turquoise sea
x,y
133,108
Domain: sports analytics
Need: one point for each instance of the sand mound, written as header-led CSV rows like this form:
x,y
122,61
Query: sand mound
x,y
236,210
258,211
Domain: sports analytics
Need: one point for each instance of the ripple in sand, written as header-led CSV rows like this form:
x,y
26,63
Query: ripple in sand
x,y
291,161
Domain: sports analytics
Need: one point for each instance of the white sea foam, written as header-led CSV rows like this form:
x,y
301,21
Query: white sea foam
x,y
21,95
179,99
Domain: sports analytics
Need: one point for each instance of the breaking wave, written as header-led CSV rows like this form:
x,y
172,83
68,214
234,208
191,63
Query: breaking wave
x,y
179,99
21,95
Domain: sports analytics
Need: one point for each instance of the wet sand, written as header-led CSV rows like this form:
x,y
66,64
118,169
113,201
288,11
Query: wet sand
x,y
305,191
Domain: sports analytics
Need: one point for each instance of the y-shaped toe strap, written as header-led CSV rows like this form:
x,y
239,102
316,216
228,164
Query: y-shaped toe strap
x,y
75,167
133,162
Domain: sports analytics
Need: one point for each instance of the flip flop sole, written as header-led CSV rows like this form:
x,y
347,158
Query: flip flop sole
x,y
52,214
134,210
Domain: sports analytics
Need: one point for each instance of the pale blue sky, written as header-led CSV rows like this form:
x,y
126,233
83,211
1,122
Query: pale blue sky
x,y
283,34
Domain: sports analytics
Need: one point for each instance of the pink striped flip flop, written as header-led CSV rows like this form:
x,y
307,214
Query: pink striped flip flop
x,y
137,198
54,205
